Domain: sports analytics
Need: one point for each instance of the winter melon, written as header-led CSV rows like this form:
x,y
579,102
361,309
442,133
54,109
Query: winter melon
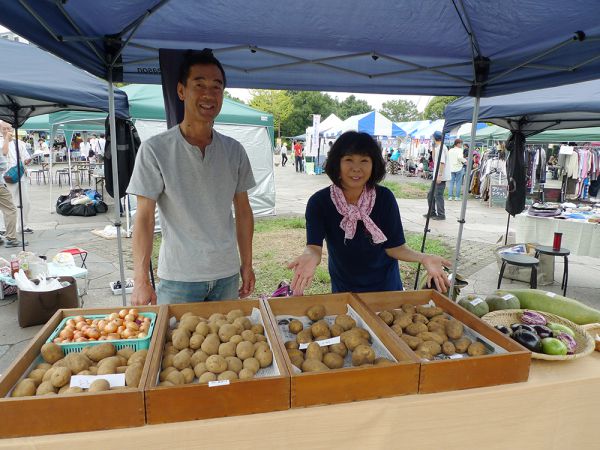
x,y
507,301
474,304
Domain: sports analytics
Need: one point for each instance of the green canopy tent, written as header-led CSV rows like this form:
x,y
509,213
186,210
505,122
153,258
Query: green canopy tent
x,y
495,132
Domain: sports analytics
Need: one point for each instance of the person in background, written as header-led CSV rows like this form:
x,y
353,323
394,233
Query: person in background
x,y
298,156
435,197
456,161
284,158
360,221
85,148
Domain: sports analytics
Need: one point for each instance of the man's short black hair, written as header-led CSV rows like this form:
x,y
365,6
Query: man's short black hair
x,y
354,143
194,57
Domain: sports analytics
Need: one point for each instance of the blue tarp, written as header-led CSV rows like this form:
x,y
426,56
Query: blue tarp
x,y
39,83
573,106
381,46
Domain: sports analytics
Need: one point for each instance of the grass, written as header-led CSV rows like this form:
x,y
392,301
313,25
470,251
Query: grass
x,y
277,241
408,190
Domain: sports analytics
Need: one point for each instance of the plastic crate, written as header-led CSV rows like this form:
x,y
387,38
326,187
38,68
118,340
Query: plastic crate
x,y
135,344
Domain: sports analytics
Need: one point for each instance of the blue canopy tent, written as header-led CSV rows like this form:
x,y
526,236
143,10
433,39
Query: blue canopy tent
x,y
26,91
373,123
360,49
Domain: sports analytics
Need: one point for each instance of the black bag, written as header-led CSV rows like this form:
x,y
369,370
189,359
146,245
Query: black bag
x,y
516,172
128,143
65,208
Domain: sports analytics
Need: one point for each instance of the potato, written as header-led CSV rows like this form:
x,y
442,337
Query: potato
x,y
333,360
252,364
216,364
76,362
419,318
295,326
106,369
202,329
313,351
196,341
436,326
363,354
234,364
291,345
165,383
336,330
448,348
71,390
454,329
189,323
167,361
24,388
296,357
440,319
48,374
476,349
407,308
316,312
213,328
345,321
249,336
199,369
198,357
133,375
244,350
412,341
37,375
206,377
93,370
383,362
99,352
244,322
234,314
245,374
387,317
236,339
188,375
51,352
60,376
304,337
354,341
264,356
182,360
428,336
226,332
169,349
340,349
126,352
227,375
45,387
120,369
421,354
44,366
257,329
180,339
211,343
313,365
403,320
396,328
431,347
415,328
99,385
175,377
111,361
227,349
429,311
260,338
320,329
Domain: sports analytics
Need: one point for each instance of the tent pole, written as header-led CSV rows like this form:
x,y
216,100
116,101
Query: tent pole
x,y
430,204
117,201
19,176
52,136
506,235
465,191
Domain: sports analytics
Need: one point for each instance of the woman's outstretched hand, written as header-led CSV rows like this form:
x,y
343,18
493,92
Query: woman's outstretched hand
x,y
304,267
434,265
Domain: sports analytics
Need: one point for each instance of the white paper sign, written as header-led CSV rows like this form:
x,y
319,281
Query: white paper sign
x,y
476,301
84,381
507,296
456,356
566,150
322,343
551,294
218,383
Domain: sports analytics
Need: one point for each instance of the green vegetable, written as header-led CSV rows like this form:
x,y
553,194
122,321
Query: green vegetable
x,y
474,304
559,328
508,301
556,304
552,346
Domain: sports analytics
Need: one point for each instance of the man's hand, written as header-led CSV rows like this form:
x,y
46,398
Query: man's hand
x,y
434,265
143,294
248,281
304,267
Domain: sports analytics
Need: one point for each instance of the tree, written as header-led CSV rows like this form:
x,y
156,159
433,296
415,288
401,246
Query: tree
x,y
307,103
277,103
400,111
352,106
435,109
231,97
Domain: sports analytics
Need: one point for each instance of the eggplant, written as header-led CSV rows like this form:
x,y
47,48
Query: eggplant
x,y
528,339
533,318
503,329
521,326
542,331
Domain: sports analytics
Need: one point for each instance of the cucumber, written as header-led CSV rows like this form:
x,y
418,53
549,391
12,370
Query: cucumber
x,y
556,304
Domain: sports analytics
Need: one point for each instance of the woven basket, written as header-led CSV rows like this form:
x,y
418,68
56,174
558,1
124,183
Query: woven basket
x,y
585,342
594,330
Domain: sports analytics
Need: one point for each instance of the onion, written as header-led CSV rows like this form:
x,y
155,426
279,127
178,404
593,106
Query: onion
x,y
111,327
57,340
120,329
80,325
81,339
123,313
101,324
141,335
71,323
132,326
77,334
134,311
113,336
127,333
93,333
129,318
79,319
113,316
67,333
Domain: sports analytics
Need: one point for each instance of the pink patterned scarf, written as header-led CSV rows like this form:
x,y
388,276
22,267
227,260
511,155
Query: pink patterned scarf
x,y
353,213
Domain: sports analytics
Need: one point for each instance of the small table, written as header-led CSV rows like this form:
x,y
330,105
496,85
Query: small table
x,y
564,252
99,180
523,261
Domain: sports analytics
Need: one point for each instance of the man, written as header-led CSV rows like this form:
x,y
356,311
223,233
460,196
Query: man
x,y
456,160
284,157
7,206
298,156
436,194
193,174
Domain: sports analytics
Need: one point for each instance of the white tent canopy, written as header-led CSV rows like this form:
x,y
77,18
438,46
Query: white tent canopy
x,y
331,122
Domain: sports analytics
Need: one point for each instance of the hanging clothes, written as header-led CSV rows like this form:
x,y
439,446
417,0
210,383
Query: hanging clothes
x,y
516,172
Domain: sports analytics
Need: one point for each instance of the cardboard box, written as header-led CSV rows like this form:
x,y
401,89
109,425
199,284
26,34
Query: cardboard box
x,y
199,401
346,384
67,413
453,374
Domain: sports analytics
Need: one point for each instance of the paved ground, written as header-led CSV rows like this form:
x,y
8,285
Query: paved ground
x,y
483,229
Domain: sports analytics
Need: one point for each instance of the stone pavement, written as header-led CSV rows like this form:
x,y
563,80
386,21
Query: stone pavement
x,y
483,229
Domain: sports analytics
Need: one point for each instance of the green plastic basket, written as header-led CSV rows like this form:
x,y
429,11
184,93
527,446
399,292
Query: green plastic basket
x,y
76,347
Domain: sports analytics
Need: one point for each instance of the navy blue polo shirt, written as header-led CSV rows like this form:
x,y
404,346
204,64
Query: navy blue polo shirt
x,y
357,264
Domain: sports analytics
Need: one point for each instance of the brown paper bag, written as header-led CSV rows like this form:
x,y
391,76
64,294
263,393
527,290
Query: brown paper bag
x,y
36,308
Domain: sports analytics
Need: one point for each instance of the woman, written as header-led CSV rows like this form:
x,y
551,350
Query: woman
x,y
361,223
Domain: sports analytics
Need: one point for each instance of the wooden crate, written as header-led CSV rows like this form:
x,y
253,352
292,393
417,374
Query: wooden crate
x,y
449,375
347,384
31,416
199,401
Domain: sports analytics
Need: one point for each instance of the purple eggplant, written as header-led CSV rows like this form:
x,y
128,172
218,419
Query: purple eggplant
x,y
503,329
543,331
568,341
533,318
528,339
521,326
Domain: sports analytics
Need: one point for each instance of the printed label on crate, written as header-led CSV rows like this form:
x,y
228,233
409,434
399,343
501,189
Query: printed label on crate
x,y
322,342
476,301
218,383
84,381
551,294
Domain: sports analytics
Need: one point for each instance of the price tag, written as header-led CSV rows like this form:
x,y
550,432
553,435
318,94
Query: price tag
x,y
507,296
551,294
84,381
456,356
322,343
218,383
476,301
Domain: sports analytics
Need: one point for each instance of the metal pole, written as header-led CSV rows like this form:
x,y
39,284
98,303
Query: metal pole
x,y
506,235
430,207
19,176
117,202
465,188
52,136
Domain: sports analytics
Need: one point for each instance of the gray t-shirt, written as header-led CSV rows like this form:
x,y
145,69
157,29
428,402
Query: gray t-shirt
x,y
194,195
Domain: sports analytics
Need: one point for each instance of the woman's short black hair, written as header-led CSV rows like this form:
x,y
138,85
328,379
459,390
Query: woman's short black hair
x,y
354,143
195,57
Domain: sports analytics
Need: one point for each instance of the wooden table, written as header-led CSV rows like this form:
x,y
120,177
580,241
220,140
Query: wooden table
x,y
556,409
